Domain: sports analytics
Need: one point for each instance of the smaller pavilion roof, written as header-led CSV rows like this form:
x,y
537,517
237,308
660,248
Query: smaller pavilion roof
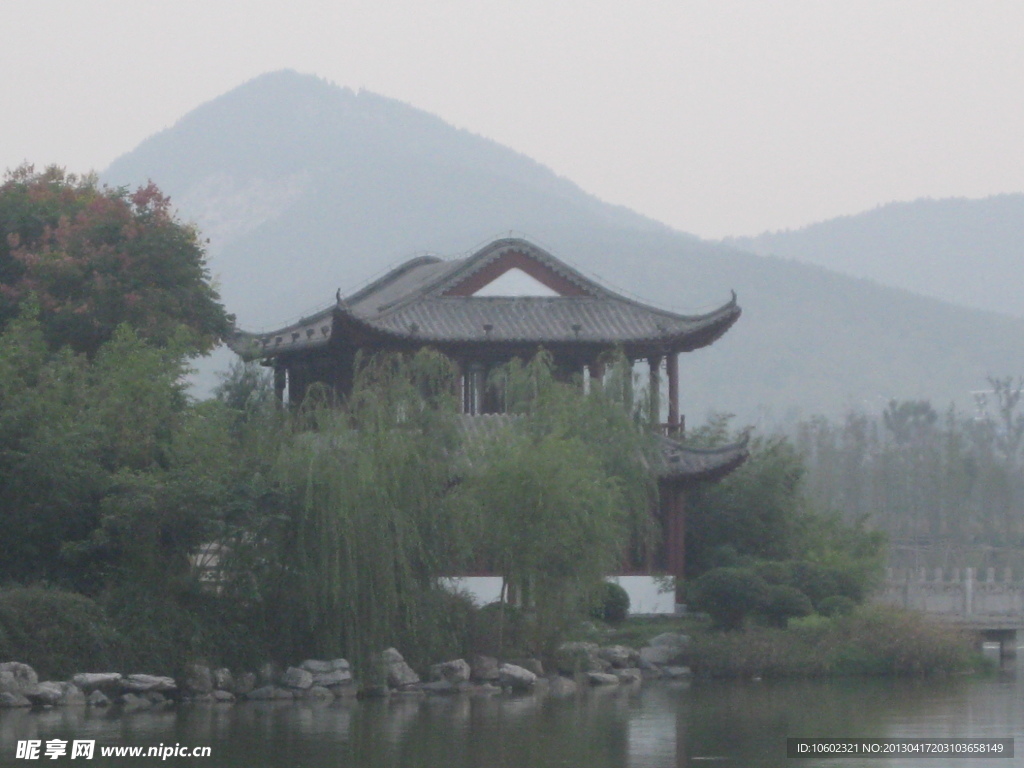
x,y
428,300
675,462
681,463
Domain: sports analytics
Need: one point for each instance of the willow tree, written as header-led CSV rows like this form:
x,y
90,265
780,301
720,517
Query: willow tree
x,y
561,493
374,526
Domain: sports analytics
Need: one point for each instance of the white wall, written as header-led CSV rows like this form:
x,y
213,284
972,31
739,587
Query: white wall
x,y
643,591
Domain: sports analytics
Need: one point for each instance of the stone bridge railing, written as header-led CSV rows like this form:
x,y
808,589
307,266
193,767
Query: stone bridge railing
x,y
957,592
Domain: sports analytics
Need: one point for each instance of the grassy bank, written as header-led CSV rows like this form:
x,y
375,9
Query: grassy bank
x,y
872,641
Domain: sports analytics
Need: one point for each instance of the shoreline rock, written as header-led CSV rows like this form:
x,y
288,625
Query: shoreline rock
x,y
323,681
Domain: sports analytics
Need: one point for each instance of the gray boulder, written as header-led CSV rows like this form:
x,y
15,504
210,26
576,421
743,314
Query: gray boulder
x,y
296,678
484,668
328,673
656,656
534,665
628,675
198,679
73,695
47,694
147,683
108,682
666,648
18,678
10,700
515,677
223,679
97,699
268,674
399,674
334,677
324,667
602,678
619,656
671,639
222,697
574,657
243,684
454,672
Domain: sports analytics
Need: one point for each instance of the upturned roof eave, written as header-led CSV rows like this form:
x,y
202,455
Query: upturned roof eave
x,y
708,328
681,464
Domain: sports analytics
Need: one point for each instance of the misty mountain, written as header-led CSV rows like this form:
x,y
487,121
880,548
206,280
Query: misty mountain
x,y
969,252
304,187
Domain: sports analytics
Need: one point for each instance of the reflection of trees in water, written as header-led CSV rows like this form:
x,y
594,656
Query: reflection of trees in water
x,y
654,726
498,731
750,721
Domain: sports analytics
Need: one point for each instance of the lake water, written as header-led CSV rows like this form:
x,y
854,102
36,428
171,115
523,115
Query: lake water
x,y
657,724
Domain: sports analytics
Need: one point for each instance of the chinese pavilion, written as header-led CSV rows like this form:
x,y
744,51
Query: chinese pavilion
x,y
507,300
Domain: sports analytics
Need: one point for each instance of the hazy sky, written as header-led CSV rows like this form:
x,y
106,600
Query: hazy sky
x,y
716,117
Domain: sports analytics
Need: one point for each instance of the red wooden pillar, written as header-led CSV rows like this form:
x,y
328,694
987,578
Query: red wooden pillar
x,y
675,537
672,363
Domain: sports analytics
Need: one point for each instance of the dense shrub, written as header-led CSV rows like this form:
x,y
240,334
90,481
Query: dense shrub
x,y
882,640
612,603
836,605
57,633
873,640
783,602
729,595
164,630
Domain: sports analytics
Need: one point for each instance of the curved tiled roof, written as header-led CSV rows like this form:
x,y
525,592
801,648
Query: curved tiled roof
x,y
418,302
681,462
674,461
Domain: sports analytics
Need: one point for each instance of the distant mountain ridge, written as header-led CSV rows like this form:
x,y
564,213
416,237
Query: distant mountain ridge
x,y
304,188
968,252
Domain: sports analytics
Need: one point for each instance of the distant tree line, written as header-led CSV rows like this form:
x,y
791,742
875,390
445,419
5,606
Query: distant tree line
x,y
947,488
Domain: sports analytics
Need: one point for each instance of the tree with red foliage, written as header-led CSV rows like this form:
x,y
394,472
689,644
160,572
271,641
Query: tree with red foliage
x,y
95,257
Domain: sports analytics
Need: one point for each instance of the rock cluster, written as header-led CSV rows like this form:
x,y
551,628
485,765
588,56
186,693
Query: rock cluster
x,y
576,664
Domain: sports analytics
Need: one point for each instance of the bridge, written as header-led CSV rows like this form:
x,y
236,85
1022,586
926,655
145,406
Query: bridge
x,y
987,602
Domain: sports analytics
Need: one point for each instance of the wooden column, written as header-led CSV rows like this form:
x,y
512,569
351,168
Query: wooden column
x,y
672,363
654,363
675,537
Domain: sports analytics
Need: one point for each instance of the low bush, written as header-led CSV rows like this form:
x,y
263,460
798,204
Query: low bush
x,y
612,604
873,640
782,603
729,595
57,633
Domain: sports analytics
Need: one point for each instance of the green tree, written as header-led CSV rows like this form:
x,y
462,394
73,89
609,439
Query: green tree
x,y
96,257
74,434
760,522
560,493
363,525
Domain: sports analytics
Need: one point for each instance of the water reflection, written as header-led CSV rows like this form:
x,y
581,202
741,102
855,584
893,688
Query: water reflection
x,y
663,724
